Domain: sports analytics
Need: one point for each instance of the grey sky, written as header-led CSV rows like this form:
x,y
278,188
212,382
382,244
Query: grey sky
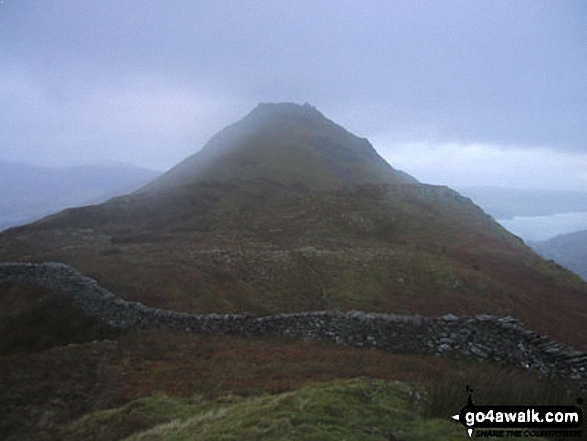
x,y
455,92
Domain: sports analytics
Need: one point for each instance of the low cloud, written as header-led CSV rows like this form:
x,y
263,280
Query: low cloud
x,y
151,122
461,165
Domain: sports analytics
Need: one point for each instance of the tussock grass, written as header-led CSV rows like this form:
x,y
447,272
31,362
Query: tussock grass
x,y
493,385
357,409
172,377
135,416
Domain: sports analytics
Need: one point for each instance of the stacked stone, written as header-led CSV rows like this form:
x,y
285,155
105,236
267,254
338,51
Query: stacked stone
x,y
483,337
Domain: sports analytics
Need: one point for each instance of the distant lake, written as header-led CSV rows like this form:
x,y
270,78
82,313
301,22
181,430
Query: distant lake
x,y
537,228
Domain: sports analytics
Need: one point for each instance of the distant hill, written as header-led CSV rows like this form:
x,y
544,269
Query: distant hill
x,y
569,250
287,211
29,192
505,203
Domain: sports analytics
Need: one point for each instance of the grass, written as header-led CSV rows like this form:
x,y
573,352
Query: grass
x,y
498,386
355,409
135,416
109,389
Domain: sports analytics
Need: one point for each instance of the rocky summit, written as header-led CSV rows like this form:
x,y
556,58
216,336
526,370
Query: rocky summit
x,y
288,144
285,211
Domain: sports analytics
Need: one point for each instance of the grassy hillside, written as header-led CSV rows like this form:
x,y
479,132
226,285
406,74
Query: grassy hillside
x,y
267,248
286,211
358,409
64,381
165,385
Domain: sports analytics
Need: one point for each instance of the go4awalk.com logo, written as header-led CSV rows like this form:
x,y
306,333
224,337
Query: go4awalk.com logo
x,y
520,421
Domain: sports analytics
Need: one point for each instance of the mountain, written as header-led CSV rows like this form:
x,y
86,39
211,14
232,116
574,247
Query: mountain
x,y
286,144
569,250
287,211
283,211
29,192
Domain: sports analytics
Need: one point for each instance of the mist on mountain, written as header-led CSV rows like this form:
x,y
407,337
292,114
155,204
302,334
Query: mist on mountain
x,y
505,203
29,192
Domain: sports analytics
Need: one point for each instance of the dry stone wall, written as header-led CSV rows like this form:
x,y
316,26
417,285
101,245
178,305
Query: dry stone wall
x,y
482,337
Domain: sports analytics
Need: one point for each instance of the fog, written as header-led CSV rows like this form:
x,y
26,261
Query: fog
x,y
539,228
453,92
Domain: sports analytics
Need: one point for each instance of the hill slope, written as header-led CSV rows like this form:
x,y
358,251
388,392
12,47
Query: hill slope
x,y
569,250
286,211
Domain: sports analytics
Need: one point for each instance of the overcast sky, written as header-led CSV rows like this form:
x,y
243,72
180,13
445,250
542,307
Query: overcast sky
x,y
454,92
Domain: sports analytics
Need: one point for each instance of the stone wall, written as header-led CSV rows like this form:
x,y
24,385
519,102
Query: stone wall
x,y
482,337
